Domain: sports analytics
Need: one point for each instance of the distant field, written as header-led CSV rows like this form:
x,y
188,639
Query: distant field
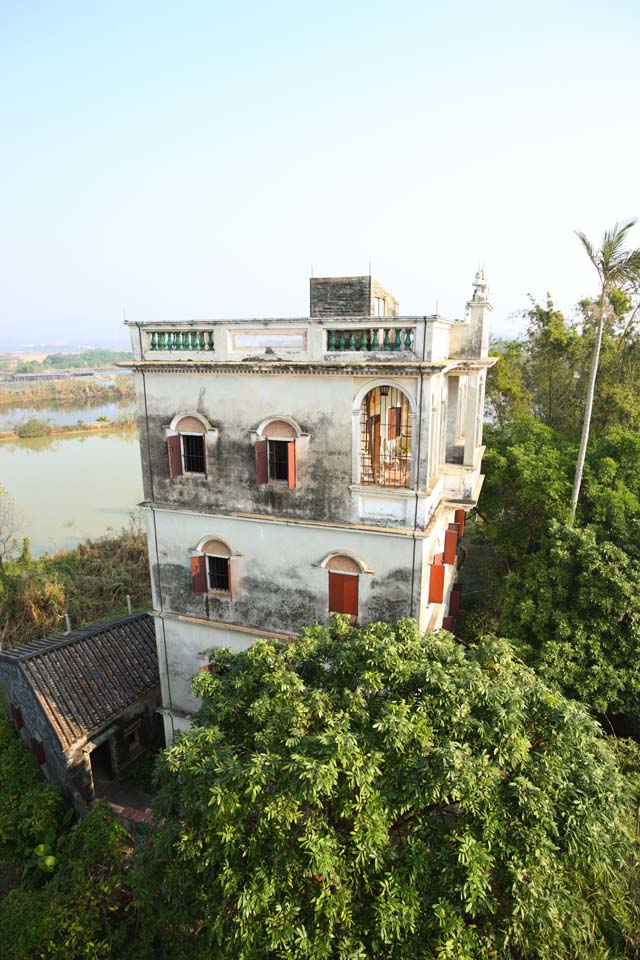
x,y
25,356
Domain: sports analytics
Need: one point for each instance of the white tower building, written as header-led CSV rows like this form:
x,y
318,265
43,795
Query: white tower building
x,y
298,467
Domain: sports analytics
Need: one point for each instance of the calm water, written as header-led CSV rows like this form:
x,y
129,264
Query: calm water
x,y
62,415
70,488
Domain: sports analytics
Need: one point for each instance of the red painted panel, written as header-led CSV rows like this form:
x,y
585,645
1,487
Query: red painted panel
x,y
343,593
199,574
450,546
291,454
174,454
438,559
460,516
436,583
262,467
351,595
448,622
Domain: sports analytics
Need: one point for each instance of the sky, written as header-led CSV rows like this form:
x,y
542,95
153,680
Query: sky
x,y
200,159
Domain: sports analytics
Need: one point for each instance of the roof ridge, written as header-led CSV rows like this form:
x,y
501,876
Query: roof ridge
x,y
35,648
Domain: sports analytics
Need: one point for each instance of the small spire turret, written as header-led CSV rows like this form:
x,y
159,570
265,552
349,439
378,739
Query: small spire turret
x,y
480,285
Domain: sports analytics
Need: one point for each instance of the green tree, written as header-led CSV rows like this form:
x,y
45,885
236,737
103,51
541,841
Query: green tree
x,y
617,268
574,606
506,394
527,483
372,792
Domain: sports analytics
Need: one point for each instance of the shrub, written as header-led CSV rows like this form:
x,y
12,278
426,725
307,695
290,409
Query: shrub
x,y
372,792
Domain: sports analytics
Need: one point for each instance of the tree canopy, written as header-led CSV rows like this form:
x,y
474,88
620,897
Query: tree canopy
x,y
373,792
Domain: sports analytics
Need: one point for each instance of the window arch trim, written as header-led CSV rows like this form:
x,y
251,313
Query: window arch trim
x,y
174,426
261,431
215,538
357,559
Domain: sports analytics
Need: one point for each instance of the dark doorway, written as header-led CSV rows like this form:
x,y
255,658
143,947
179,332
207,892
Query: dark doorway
x,y
101,765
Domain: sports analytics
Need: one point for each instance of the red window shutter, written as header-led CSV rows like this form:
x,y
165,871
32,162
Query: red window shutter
x,y
448,622
438,559
460,518
291,455
436,583
343,593
229,579
454,601
199,574
450,545
174,453
351,595
394,423
262,467
336,592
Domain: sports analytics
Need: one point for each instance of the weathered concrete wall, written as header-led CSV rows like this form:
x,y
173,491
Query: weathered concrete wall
x,y
16,690
278,588
392,307
236,406
277,581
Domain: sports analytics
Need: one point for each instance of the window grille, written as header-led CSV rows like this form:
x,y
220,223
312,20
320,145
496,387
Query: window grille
x,y
385,438
218,568
193,453
278,460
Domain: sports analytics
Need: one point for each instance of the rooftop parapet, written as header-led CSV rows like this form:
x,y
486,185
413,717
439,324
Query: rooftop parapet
x,y
322,338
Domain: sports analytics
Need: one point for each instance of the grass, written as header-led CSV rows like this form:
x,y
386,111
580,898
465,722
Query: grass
x,y
89,583
139,773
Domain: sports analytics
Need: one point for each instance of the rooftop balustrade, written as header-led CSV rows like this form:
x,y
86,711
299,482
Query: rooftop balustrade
x,y
371,339
302,339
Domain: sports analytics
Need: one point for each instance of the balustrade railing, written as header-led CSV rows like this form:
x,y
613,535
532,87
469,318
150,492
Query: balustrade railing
x,y
371,339
173,340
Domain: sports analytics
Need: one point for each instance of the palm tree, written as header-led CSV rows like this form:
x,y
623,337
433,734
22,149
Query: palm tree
x,y
616,268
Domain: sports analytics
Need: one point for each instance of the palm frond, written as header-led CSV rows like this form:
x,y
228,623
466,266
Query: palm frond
x,y
627,269
588,246
612,243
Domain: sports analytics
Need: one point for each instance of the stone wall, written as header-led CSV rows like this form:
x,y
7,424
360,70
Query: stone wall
x,y
340,296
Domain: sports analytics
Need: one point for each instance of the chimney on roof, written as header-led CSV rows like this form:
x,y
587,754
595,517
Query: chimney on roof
x,y
350,297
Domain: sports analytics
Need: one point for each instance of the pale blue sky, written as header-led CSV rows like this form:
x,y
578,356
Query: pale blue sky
x,y
194,159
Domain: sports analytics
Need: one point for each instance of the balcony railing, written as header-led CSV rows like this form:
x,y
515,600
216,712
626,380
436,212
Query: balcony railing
x,y
173,340
371,339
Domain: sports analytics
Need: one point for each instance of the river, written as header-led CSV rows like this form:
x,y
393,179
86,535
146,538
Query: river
x,y
59,416
68,488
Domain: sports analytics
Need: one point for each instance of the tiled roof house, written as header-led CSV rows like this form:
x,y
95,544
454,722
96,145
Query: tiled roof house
x,y
86,700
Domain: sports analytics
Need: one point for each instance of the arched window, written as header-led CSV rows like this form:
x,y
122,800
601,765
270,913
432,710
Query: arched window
x,y
211,569
275,453
187,449
344,578
385,437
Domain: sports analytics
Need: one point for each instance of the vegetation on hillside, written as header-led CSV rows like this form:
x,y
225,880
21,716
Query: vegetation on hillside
x,y
565,589
69,393
95,357
89,583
